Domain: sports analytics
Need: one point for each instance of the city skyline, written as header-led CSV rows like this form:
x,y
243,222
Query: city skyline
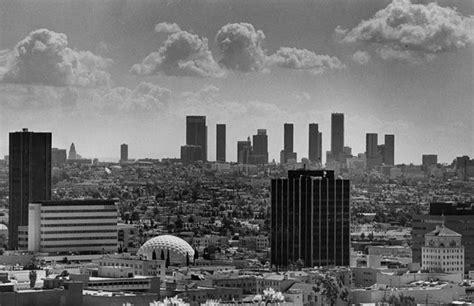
x,y
299,72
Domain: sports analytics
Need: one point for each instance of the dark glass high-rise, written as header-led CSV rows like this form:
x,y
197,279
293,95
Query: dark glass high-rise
x,y
29,175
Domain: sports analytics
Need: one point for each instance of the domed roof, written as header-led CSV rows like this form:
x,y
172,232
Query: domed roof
x,y
178,248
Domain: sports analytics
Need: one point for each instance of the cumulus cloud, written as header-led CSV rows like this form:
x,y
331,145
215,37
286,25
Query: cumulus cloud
x,y
146,97
182,54
361,57
293,58
408,31
241,47
169,28
44,57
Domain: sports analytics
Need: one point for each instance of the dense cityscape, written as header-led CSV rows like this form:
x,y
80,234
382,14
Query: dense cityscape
x,y
236,152
355,230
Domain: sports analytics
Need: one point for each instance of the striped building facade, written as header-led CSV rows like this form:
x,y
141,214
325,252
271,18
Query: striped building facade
x,y
310,219
79,226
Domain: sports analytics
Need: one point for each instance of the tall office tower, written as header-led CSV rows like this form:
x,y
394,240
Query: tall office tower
x,y
337,136
220,143
58,156
389,150
320,142
458,217
287,153
428,160
313,144
310,219
196,133
244,149
260,148
30,176
123,152
72,152
371,150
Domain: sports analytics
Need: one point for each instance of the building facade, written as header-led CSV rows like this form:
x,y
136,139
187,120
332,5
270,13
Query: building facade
x,y
220,142
389,152
123,152
443,251
458,217
260,148
29,175
244,149
310,219
287,155
337,136
78,226
58,156
196,133
314,143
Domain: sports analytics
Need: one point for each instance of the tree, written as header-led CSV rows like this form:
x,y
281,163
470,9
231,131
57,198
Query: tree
x,y
153,255
362,236
162,256
33,277
187,259
168,261
196,254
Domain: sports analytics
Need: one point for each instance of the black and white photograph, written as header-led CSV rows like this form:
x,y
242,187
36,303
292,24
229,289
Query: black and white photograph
x,y
236,152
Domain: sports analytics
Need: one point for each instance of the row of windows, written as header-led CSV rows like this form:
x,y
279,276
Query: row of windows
x,y
78,210
78,217
78,232
78,238
89,245
122,283
444,250
79,224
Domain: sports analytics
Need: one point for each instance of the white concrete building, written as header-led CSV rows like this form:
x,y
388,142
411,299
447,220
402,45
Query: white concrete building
x,y
73,226
443,251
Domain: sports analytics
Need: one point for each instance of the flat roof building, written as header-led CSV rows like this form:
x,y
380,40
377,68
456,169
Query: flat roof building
x,y
78,226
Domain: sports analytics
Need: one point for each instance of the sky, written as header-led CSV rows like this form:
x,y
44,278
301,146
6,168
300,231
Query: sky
x,y
100,73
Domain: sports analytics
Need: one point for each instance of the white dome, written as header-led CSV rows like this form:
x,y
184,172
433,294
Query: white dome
x,y
177,247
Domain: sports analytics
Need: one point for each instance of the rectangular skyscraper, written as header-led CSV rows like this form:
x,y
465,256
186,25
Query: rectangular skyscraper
x,y
287,153
196,134
337,136
30,176
389,153
260,148
320,142
371,143
123,152
288,137
310,219
220,143
313,144
244,149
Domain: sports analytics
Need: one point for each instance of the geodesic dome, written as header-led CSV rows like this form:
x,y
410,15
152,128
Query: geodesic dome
x,y
177,247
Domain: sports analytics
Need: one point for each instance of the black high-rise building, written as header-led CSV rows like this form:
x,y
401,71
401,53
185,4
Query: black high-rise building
x,y
310,219
29,175
288,137
313,144
220,143
337,136
260,148
196,135
389,150
287,153
320,142
244,150
123,152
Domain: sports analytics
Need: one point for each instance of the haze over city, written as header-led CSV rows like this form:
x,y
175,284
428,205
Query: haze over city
x,y
112,72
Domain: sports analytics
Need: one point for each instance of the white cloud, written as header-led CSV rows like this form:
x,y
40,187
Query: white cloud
x,y
182,54
413,32
165,27
293,58
361,57
44,57
241,47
